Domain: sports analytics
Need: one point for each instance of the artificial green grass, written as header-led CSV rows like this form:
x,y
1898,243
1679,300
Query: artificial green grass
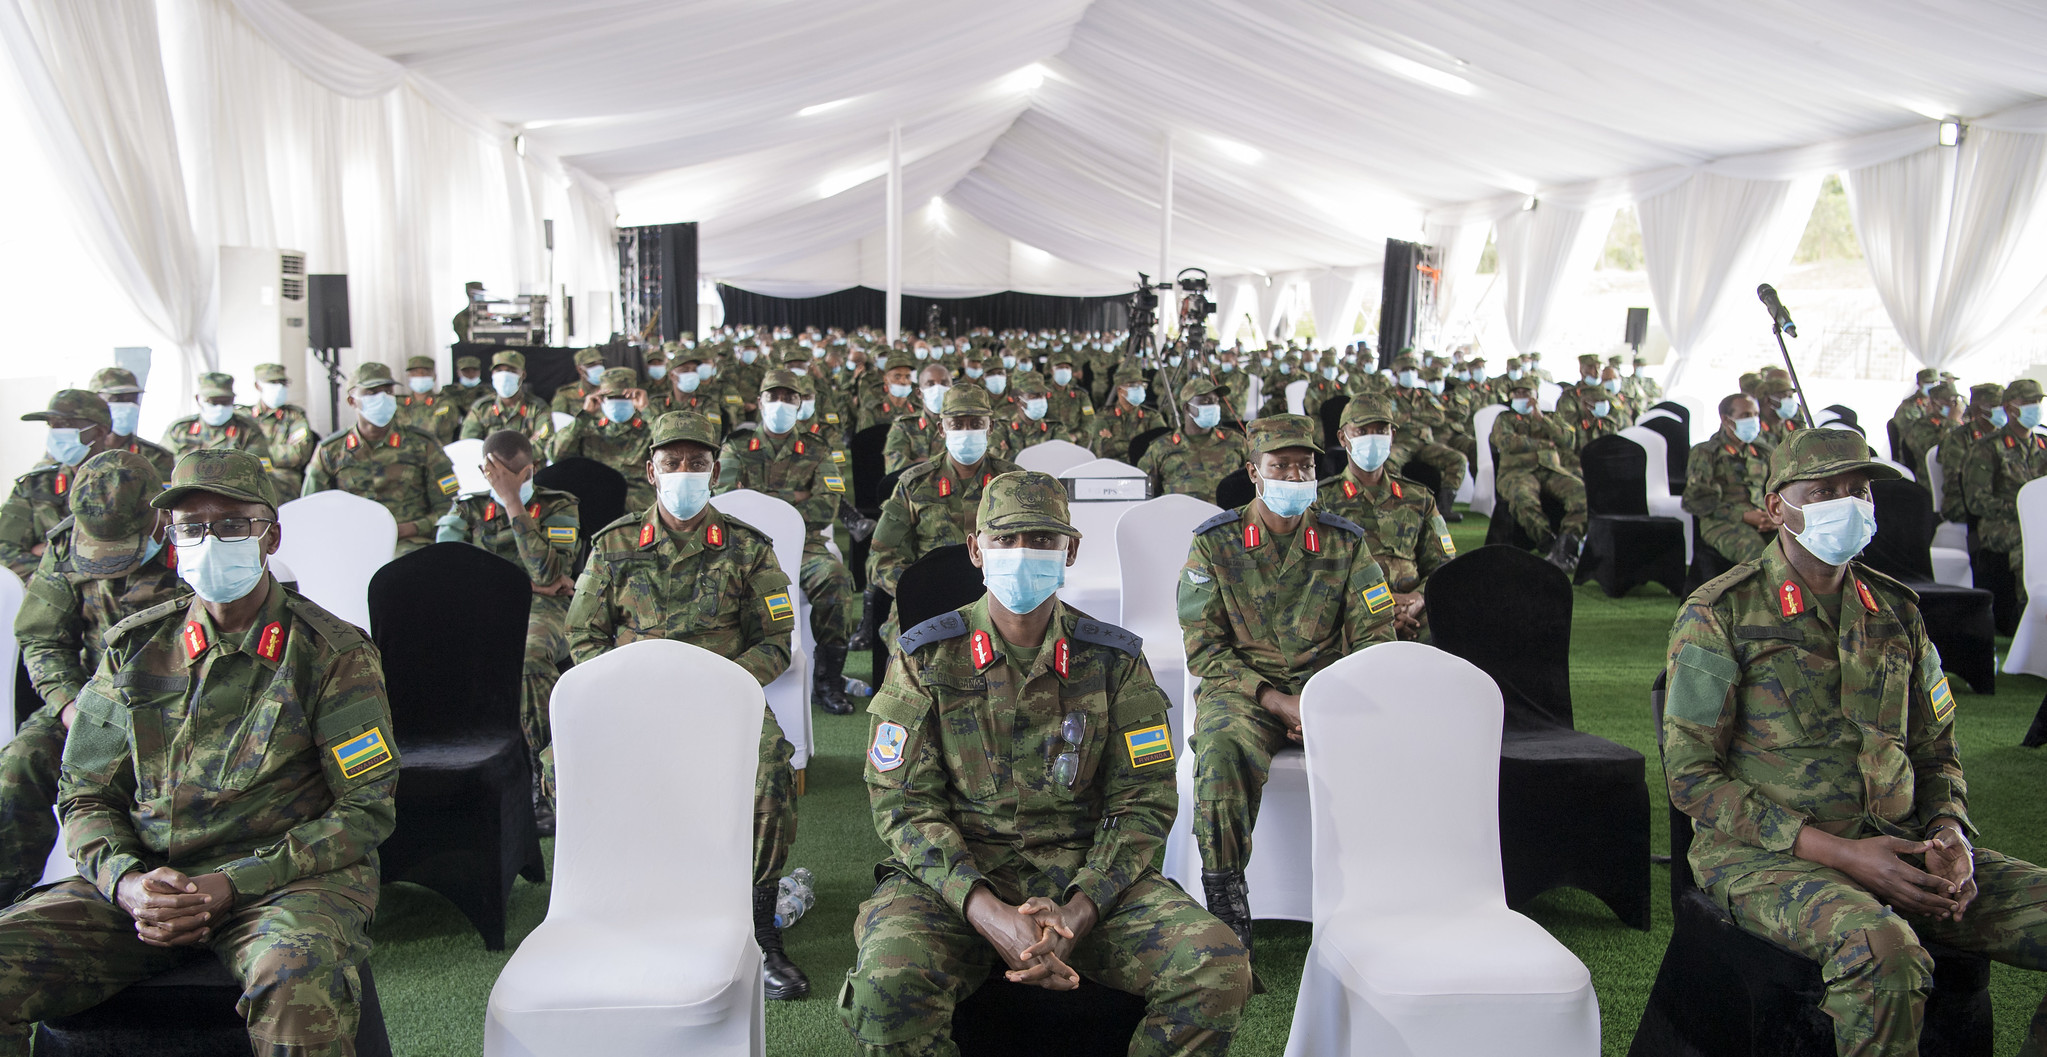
x,y
434,976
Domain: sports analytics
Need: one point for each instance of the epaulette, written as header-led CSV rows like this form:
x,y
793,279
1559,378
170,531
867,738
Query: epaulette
x,y
1887,581
36,471
939,628
1217,521
1340,522
338,633
147,616
920,470
631,520
1102,633
338,437
733,522
1710,591
60,527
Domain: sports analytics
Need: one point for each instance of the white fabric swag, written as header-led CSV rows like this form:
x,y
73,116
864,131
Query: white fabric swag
x,y
1540,251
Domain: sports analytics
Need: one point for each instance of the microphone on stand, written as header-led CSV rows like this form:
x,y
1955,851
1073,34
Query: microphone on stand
x,y
1778,314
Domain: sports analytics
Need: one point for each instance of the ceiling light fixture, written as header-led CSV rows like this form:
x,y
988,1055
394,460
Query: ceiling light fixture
x,y
1528,204
1423,73
810,111
1951,130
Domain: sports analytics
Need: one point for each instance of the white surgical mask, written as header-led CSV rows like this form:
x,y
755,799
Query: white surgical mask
x,y
1837,529
966,446
899,391
464,380
1370,450
419,383
1523,405
997,383
216,414
657,371
505,383
684,494
1035,408
1134,393
618,410
222,572
934,397
1748,429
276,393
1287,498
126,415
1020,578
778,417
808,409
377,408
1062,376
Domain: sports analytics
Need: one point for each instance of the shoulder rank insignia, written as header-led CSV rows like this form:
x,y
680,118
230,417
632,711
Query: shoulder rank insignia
x,y
753,444
270,644
944,486
1790,599
363,753
983,649
448,484
1311,539
799,447
350,443
1943,701
714,535
1377,597
1062,657
195,639
646,533
1252,537
1149,746
886,753
63,483
1395,485
396,438
779,606
834,484
1868,600
1350,488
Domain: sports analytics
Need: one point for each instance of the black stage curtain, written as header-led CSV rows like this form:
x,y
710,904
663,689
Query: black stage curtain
x,y
549,368
862,306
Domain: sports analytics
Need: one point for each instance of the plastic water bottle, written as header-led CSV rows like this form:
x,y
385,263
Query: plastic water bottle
x,y
796,896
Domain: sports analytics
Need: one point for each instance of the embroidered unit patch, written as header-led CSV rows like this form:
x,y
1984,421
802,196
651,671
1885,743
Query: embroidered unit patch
x,y
886,754
1149,746
362,754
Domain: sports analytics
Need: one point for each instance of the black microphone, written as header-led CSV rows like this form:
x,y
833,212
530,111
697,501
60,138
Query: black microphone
x,y
1777,313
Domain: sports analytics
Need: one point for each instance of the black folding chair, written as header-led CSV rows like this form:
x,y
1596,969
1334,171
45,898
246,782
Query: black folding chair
x,y
1235,490
1990,570
1958,619
1331,413
1707,562
939,582
1677,444
599,490
1625,545
1574,809
465,785
867,468
1142,442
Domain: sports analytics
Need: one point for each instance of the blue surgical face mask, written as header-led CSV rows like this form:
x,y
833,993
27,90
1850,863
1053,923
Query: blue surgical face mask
x,y
976,372
1008,360
63,445
1134,393
899,392
1207,416
688,382
1998,418
1287,498
934,397
1370,450
1748,429
778,417
1407,379
420,383
657,371
151,547
921,352
463,380
1062,376
1035,408
1589,381
1837,529
806,409
222,572
997,383
2029,415
1436,387
526,491
126,415
618,410
1927,389
684,494
1788,406
1226,367
1523,405
747,357
966,446
593,373
1021,579
377,408
505,383
706,370
1600,409
1329,373
216,414
1513,374
1611,385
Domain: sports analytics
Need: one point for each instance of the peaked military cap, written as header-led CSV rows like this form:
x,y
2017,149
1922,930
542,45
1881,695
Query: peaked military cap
x,y
1024,501
1366,409
678,426
114,381
271,372
111,513
781,378
1276,432
617,380
214,383
370,374
2022,391
589,357
966,398
222,471
74,403
419,363
508,358
1809,454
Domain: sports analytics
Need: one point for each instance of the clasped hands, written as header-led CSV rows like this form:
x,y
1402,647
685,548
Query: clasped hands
x,y
171,909
1036,939
1942,891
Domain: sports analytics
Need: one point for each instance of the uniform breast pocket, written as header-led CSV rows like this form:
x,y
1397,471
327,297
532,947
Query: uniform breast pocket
x,y
969,746
1771,715
266,740
1085,738
642,612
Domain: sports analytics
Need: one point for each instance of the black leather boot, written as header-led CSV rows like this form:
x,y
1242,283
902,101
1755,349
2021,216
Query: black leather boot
x,y
543,807
1229,899
780,977
828,681
1446,505
863,636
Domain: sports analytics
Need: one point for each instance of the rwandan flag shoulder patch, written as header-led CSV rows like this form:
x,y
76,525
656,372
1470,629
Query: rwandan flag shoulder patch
x,y
362,754
449,484
1377,597
1149,746
561,534
779,606
834,484
1943,701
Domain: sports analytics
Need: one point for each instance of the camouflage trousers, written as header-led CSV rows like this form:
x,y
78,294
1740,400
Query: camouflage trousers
x,y
1462,444
2002,534
1404,577
774,802
1877,973
919,959
547,642
1447,461
1737,541
28,792
1522,491
1233,742
826,582
66,948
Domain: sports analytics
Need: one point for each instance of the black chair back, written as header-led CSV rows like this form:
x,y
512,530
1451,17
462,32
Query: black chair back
x,y
1845,413
599,490
1681,831
1898,452
1331,413
939,582
1142,442
450,679
887,487
1508,612
867,468
1683,413
1677,448
1235,490
1903,547
1616,477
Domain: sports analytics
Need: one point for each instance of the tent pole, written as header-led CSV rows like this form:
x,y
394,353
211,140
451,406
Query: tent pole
x,y
895,232
1169,305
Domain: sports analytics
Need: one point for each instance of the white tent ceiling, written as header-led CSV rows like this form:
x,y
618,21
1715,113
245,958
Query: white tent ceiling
x,y
1305,131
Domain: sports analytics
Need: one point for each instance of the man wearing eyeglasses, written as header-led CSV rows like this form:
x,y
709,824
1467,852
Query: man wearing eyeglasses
x,y
105,562
1020,770
80,428
226,781
401,468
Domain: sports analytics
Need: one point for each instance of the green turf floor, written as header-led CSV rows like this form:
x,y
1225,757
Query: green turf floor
x,y
435,977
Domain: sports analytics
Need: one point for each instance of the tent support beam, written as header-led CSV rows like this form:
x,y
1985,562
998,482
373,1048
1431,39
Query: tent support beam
x,y
895,231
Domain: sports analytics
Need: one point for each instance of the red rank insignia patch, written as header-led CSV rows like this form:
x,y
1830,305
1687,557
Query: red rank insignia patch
x,y
1868,600
270,644
754,444
646,533
534,510
1791,599
984,650
1311,540
194,431
1251,536
195,639
1395,485
230,431
63,483
985,478
1061,656
799,447
490,511
394,438
944,487
1350,489
714,535
351,442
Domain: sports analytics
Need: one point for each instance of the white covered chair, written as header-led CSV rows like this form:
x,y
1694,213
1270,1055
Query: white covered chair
x,y
789,694
1397,968
1278,875
1054,457
2028,654
1482,494
11,593
335,542
1657,477
1547,394
1947,534
1297,397
1151,546
467,455
1094,583
644,969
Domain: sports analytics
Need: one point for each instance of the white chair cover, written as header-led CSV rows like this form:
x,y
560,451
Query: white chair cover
x,y
1151,546
1253,403
789,694
1297,397
1100,468
2028,654
636,968
335,542
11,593
561,420
1547,394
1399,969
1094,583
1053,456
467,455
1657,478
1281,859
1947,535
1482,495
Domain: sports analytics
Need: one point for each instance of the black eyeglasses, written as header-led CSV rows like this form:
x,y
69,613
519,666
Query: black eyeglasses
x,y
1066,765
226,530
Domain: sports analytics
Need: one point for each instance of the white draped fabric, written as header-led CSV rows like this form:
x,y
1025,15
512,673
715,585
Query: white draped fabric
x,y
1956,240
1334,297
1540,252
1459,246
1275,298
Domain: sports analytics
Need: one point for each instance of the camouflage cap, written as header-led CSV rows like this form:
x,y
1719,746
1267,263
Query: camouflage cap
x,y
2022,391
659,355
1404,362
74,403
1275,432
214,383
271,372
786,379
508,358
678,426
420,363
966,398
1024,380
369,374
1986,395
114,381
1367,408
1774,386
1943,392
616,380
1614,360
1432,373
1926,376
589,357
222,471
1024,501
1200,386
1747,383
468,363
111,512
1589,362
1809,454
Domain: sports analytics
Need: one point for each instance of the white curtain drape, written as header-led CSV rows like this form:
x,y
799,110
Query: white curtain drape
x,y
1274,298
1708,241
92,75
1541,251
1334,297
1458,247
1237,298
1954,239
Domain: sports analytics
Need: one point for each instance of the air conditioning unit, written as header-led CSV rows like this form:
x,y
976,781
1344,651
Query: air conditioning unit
x,y
263,312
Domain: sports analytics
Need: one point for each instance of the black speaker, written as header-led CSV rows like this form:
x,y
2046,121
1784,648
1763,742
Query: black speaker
x,y
327,324
1398,299
678,281
1638,327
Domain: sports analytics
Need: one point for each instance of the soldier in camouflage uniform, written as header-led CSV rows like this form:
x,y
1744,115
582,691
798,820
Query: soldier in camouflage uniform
x,y
569,399
1194,459
285,427
1418,435
80,428
786,464
1984,417
681,570
1536,459
894,397
686,390
1920,435
123,394
1027,420
105,562
1779,404
1809,731
1724,481
1602,418
1402,526
467,388
1272,592
218,424
1576,397
225,784
510,406
1915,408
611,428
916,437
1033,850
423,407
1071,408
404,470
1124,420
1999,466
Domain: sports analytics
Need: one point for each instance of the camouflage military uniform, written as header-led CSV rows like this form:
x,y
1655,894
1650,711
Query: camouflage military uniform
x,y
42,497
238,433
1914,409
959,807
2001,464
568,399
290,436
1071,407
801,472
405,471
1403,528
619,445
522,412
1118,426
1415,437
1922,434
1723,480
432,414
1589,427
263,755
933,506
912,439
882,408
1535,458
1194,462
